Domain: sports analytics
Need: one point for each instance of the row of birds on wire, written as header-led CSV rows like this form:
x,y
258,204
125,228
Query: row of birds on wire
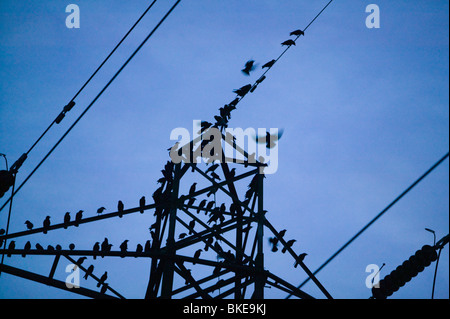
x,y
225,111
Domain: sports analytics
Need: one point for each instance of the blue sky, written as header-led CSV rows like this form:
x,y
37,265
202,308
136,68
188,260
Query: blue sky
x,y
364,112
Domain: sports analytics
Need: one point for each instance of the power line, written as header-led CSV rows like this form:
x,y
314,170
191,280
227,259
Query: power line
x,y
93,101
435,165
61,115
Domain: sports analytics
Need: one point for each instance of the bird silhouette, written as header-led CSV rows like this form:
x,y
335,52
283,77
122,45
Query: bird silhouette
x,y
39,247
212,168
58,247
209,206
300,258
281,233
147,246
289,243
182,235
46,224
249,67
269,139
208,242
142,204
50,248
105,247
71,246
201,205
102,279
191,226
139,249
124,246
274,242
297,32
196,256
204,126
88,272
11,247
269,64
66,219
101,210
96,249
26,248
29,225
103,289
78,217
120,208
215,176
288,42
192,189
79,262
243,90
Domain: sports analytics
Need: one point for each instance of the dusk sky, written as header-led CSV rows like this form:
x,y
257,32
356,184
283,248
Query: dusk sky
x,y
365,112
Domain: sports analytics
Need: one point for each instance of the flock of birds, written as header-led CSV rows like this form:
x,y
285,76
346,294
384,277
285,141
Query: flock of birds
x,y
162,198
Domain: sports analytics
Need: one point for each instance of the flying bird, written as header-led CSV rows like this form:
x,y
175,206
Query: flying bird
x,y
269,64
288,42
300,258
29,224
88,272
142,204
269,139
249,67
289,243
243,90
120,208
102,279
297,32
66,219
101,210
46,224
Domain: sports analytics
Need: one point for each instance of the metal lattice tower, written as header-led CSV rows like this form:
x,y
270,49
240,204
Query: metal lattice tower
x,y
192,230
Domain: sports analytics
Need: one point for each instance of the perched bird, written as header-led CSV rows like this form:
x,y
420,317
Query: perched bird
x,y
139,248
58,247
201,205
79,262
142,204
289,243
204,126
249,66
105,246
147,246
66,219
192,189
300,258
197,255
191,226
215,176
208,242
124,246
39,247
29,225
103,289
288,42
269,64
232,172
182,235
101,210
243,90
102,279
26,248
274,242
72,246
269,139
88,272
78,217
50,248
297,32
120,208
12,246
209,206
46,224
96,249
212,168
282,232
